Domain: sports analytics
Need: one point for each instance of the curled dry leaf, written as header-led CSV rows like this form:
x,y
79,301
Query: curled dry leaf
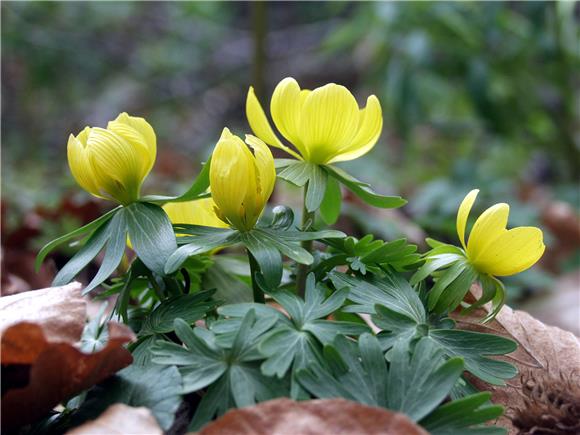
x,y
328,416
545,396
120,419
59,311
41,365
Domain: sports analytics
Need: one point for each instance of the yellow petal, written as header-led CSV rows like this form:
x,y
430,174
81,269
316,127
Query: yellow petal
x,y
487,228
139,133
329,122
512,252
198,212
286,106
116,164
463,214
78,161
233,180
371,125
261,126
265,166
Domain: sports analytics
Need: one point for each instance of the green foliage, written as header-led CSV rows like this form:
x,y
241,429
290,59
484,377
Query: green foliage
x,y
397,309
231,369
370,255
415,382
155,387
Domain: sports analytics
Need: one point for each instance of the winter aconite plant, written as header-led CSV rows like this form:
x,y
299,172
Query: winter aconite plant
x,y
288,309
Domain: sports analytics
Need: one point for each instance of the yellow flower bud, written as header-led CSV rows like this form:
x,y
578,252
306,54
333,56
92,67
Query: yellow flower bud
x,y
241,182
198,212
112,163
493,249
325,125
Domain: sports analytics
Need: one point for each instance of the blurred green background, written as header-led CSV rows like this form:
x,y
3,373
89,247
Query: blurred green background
x,y
474,95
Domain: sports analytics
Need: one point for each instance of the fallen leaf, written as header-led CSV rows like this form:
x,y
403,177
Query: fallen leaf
x,y
120,419
60,312
328,416
546,393
41,365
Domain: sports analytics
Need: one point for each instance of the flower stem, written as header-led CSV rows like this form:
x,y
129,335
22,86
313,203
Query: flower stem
x,y
254,269
307,220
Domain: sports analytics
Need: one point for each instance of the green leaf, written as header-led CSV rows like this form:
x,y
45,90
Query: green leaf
x,y
290,249
231,373
282,163
297,172
369,255
92,226
465,416
114,251
155,387
151,235
294,346
196,190
331,202
205,240
229,288
452,295
190,308
301,173
363,190
391,291
267,256
316,188
434,263
473,347
84,256
444,280
419,383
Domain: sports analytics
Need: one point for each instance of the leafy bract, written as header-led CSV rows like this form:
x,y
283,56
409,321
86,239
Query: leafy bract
x,y
91,226
151,234
197,189
266,243
363,190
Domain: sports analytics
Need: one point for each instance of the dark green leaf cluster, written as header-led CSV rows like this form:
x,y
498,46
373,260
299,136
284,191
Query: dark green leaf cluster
x,y
370,255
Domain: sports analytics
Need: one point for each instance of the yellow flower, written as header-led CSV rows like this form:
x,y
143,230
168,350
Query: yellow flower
x,y
325,125
198,212
112,163
493,249
241,182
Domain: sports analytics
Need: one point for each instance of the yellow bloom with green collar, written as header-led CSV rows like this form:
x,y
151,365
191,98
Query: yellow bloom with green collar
x,y
492,248
241,182
325,125
112,163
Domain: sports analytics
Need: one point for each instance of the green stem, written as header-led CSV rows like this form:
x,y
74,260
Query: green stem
x,y
307,220
254,269
153,282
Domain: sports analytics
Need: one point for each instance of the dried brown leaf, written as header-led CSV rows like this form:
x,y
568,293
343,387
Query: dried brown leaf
x,y
60,312
329,416
120,419
546,393
41,365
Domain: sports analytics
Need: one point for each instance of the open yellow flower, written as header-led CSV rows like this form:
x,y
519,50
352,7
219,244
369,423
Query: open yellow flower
x,y
241,182
325,125
112,163
493,249
198,212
